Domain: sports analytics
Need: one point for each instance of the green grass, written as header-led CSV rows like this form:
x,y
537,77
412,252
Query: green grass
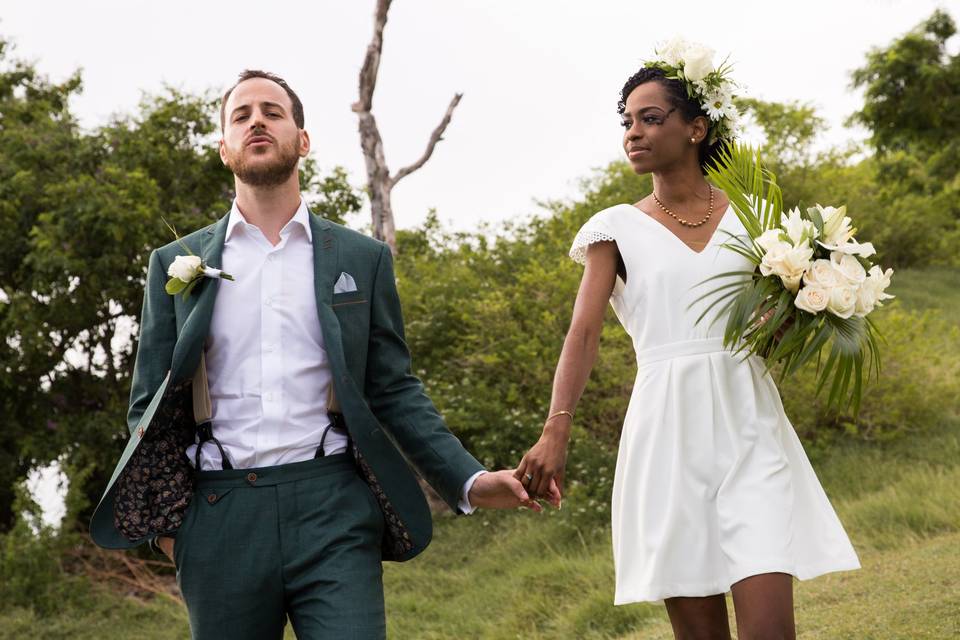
x,y
91,612
928,288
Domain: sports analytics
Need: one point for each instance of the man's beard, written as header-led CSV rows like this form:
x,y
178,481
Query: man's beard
x,y
266,174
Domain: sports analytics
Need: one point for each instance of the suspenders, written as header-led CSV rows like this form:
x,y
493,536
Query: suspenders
x,y
203,410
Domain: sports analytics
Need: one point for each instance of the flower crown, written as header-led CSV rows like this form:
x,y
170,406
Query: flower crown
x,y
692,64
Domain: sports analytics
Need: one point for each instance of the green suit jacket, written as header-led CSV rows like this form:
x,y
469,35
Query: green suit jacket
x,y
393,424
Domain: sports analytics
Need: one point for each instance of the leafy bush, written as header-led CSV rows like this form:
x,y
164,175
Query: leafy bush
x,y
30,572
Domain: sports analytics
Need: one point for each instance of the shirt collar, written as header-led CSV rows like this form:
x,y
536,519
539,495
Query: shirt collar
x,y
301,217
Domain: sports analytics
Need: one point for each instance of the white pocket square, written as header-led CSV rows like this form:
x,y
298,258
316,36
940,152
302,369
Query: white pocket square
x,y
345,283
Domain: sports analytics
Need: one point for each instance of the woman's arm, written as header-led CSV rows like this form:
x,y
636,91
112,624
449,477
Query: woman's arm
x,y
546,460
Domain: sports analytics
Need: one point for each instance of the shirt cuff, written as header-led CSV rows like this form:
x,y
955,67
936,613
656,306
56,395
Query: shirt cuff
x,y
464,504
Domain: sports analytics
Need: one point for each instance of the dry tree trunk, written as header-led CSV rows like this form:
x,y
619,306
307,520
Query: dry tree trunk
x,y
380,181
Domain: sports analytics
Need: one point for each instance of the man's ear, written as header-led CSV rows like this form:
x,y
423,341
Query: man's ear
x,y
304,143
221,147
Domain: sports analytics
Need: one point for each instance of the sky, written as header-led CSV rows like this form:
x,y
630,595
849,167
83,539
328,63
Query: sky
x,y
540,78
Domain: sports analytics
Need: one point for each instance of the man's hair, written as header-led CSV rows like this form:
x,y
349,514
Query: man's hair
x,y
247,74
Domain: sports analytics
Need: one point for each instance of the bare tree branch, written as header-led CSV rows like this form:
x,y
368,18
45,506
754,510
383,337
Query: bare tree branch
x,y
379,181
371,62
435,137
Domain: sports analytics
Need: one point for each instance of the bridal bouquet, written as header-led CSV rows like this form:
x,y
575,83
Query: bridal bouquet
x,y
813,286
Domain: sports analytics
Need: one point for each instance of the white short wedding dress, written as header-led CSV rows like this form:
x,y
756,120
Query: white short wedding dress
x,y
712,484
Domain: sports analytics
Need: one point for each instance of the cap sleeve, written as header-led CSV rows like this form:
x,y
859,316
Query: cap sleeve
x,y
596,229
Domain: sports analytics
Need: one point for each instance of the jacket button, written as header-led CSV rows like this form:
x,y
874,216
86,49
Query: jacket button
x,y
212,498
251,477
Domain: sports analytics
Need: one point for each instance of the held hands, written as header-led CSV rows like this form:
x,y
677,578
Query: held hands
x,y
502,490
541,470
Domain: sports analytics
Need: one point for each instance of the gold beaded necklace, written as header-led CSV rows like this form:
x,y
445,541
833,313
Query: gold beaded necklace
x,y
687,223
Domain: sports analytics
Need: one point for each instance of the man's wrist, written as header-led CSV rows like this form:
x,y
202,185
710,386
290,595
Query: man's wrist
x,y
465,506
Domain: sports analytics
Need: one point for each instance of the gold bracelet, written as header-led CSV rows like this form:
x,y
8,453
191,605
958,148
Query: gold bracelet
x,y
558,413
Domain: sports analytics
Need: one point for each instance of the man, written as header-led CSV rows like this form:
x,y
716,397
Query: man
x,y
274,417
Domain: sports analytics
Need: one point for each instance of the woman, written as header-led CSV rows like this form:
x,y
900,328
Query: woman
x,y
713,491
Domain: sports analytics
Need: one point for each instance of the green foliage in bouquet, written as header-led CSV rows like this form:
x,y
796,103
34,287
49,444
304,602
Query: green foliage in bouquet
x,y
762,315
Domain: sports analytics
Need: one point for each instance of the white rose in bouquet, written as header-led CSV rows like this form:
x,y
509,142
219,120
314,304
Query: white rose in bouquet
x,y
184,268
812,298
848,267
788,262
843,301
697,62
822,273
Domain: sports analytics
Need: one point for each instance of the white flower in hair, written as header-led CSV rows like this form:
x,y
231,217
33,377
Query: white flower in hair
x,y
697,62
691,63
672,51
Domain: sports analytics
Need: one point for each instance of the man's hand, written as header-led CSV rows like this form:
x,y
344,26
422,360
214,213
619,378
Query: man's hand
x,y
166,545
500,490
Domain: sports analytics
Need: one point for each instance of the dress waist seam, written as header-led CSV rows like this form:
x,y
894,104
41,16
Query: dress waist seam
x,y
680,349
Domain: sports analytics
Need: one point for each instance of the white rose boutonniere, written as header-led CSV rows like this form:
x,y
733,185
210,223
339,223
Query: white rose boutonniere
x,y
186,271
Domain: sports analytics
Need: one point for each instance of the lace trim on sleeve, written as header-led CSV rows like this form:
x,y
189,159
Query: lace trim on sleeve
x,y
586,237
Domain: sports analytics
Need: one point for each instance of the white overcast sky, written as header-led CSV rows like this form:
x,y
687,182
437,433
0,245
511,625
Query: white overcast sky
x,y
540,78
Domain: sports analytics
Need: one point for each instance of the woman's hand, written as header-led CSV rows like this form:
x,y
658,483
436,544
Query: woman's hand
x,y
545,463
778,336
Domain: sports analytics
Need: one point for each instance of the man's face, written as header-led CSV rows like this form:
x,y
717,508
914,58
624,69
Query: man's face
x,y
261,143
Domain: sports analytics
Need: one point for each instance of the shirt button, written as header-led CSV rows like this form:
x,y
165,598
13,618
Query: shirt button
x,y
251,477
268,396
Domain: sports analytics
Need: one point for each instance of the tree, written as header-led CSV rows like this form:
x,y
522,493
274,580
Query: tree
x,y
38,146
912,108
912,90
379,181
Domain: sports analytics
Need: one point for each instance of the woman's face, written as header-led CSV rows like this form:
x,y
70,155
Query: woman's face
x,y
655,134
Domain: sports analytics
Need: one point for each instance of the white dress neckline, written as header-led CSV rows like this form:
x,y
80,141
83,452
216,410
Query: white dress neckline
x,y
706,246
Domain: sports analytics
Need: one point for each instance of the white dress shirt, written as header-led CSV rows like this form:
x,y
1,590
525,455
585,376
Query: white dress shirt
x,y
266,360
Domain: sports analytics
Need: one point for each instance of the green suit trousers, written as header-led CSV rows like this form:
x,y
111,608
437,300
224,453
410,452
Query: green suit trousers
x,y
300,540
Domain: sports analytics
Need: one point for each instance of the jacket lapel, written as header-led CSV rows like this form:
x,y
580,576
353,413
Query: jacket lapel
x,y
186,353
326,262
